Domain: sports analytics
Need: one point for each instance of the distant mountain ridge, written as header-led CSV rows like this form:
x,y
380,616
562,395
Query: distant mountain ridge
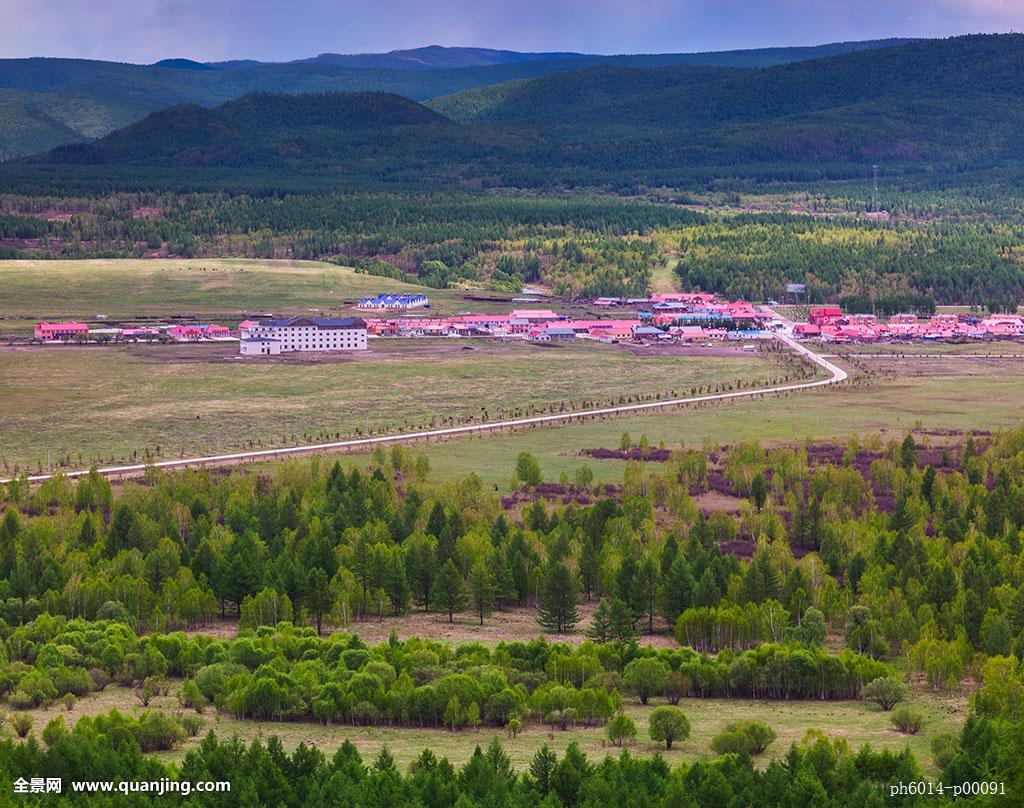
x,y
437,57
938,105
119,94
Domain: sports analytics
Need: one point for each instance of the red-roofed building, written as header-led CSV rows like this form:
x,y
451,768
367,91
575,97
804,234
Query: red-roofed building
x,y
820,315
59,332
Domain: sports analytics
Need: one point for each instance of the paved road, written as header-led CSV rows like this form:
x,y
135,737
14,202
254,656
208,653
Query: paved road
x,y
836,375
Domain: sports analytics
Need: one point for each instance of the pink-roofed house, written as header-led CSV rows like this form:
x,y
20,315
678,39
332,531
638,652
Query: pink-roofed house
x,y
58,332
185,333
535,315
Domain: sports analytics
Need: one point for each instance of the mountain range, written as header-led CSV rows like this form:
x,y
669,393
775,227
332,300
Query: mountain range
x,y
937,106
45,102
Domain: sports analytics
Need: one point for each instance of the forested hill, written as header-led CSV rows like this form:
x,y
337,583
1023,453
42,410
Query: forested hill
x,y
944,107
92,98
259,129
964,74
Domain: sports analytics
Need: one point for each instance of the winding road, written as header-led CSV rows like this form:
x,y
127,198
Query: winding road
x,y
836,375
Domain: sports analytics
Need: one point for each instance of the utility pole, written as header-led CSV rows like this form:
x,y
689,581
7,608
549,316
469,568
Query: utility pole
x,y
874,188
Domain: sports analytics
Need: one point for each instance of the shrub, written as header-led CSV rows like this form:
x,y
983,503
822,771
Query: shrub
x,y
156,731
100,678
751,737
944,747
69,701
907,721
54,730
189,696
669,724
621,730
191,724
20,700
885,691
729,742
149,690
22,723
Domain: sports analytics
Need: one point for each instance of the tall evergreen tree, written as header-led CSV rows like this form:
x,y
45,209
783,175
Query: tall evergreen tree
x,y
558,599
449,590
319,597
481,589
421,567
590,567
761,581
601,623
396,583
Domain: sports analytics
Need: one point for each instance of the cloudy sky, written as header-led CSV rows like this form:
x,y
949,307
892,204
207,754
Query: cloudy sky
x,y
276,30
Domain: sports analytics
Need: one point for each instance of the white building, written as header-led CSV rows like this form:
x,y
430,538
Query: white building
x,y
259,346
305,334
404,302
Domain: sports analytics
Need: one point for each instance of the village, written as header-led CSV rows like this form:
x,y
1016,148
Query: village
x,y
830,324
670,318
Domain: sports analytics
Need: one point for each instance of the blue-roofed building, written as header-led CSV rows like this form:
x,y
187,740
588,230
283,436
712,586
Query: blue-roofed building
x,y
390,302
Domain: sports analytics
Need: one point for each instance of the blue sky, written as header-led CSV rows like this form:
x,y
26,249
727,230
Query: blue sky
x,y
148,30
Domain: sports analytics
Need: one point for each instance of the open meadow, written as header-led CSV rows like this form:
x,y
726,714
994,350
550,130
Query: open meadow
x,y
856,722
100,403
887,397
218,289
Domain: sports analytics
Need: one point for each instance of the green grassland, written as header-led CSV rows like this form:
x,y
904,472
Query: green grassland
x,y
855,721
898,396
101,403
208,288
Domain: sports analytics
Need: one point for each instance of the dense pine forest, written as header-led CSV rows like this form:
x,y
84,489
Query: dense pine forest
x,y
845,570
579,246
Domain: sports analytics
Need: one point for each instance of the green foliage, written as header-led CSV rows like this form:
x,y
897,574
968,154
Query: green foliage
x,y
885,691
907,720
621,730
528,470
668,724
646,677
743,737
558,599
22,724
449,593
192,724
54,730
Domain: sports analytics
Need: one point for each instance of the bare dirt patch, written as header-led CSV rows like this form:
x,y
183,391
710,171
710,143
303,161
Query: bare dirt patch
x,y
510,625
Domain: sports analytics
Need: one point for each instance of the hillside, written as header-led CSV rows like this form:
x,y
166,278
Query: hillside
x,y
109,95
946,71
940,100
24,130
259,129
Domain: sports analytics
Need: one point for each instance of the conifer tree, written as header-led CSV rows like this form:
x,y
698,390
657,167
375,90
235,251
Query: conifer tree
x,y
601,623
449,592
481,588
557,602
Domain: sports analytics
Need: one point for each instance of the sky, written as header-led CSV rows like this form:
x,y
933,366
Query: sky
x,y
145,31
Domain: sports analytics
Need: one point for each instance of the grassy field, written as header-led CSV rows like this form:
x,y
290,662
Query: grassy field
x,y
1000,347
103,403
855,721
220,289
900,395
